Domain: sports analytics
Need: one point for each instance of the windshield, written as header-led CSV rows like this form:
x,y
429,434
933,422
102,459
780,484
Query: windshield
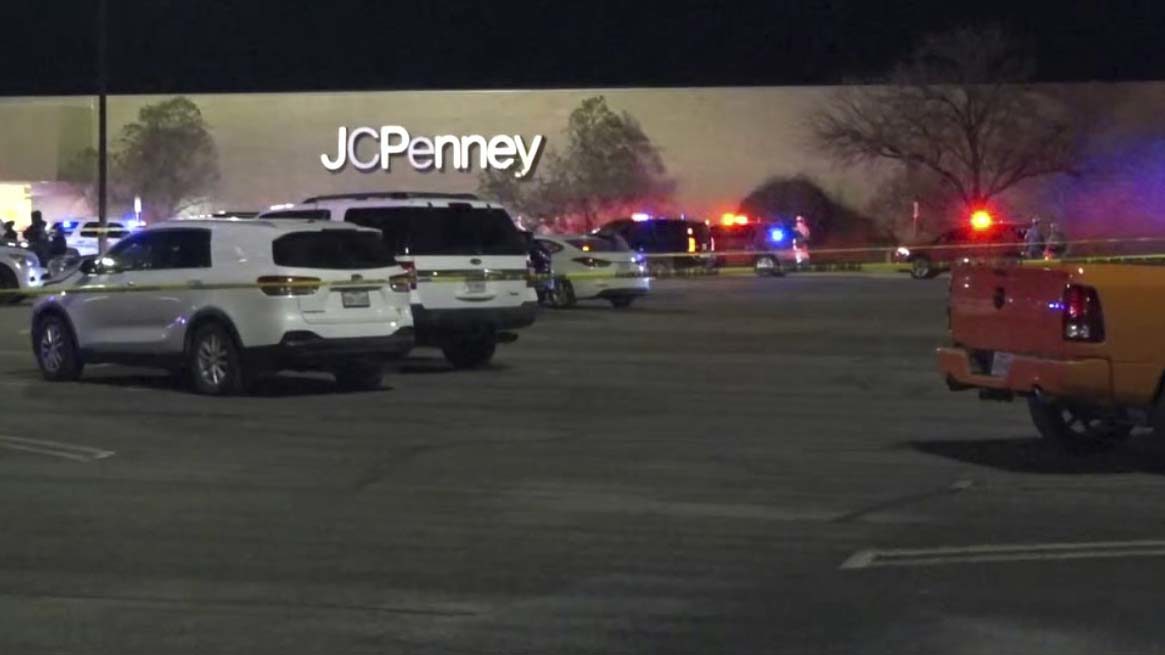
x,y
331,249
454,230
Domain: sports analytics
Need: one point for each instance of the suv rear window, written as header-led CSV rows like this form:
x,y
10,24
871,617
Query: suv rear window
x,y
454,230
317,214
331,249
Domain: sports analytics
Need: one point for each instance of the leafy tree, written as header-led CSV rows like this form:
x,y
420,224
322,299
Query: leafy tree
x,y
788,197
168,157
960,108
608,165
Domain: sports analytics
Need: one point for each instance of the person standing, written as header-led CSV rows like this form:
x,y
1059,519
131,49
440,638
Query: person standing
x,y
1033,240
37,236
1057,243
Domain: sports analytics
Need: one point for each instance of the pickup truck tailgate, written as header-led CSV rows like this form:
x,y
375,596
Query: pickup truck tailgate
x,y
1012,309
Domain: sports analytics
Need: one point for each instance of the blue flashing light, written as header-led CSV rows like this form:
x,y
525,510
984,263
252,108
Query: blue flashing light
x,y
776,235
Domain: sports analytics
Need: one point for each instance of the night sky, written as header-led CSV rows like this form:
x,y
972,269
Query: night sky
x,y
165,46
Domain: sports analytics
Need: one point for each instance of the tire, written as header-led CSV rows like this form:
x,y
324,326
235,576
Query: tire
x,y
8,281
55,348
470,351
1077,429
622,302
921,268
562,297
660,268
360,377
767,267
214,363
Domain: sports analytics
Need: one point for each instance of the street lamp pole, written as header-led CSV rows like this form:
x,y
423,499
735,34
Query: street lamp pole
x,y
102,149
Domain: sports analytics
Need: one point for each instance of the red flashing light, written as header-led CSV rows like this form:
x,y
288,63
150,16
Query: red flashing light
x,y
981,220
728,218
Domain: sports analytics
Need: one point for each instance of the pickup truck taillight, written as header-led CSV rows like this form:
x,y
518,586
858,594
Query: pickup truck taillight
x,y
1083,320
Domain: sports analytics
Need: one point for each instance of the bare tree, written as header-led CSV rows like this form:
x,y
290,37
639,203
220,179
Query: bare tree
x,y
960,107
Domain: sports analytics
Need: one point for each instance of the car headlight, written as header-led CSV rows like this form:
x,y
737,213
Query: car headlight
x,y
26,260
904,252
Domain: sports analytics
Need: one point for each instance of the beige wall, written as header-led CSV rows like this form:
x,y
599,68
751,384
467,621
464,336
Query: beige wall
x,y
718,143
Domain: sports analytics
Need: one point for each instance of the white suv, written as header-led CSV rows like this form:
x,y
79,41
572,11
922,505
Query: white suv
x,y
20,268
226,301
470,261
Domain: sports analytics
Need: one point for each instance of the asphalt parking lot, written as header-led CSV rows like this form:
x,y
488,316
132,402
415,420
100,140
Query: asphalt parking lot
x,y
688,476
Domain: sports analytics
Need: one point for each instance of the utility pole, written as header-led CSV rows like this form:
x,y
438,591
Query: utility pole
x,y
102,149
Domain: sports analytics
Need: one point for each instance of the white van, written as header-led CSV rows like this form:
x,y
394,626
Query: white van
x,y
472,284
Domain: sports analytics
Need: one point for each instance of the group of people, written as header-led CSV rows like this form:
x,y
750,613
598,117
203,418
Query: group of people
x,y
45,242
1039,246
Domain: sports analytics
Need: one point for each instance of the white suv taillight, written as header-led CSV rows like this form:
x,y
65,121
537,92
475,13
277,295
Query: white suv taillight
x,y
1083,320
284,285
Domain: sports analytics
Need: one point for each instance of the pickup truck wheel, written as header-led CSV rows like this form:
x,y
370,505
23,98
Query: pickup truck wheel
x,y
1077,429
921,269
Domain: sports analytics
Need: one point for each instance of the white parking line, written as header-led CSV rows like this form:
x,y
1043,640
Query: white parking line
x,y
868,559
54,449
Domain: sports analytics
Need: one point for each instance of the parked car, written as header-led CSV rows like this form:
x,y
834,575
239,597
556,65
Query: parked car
x,y
84,237
764,246
472,285
316,297
994,242
1083,344
20,269
595,266
670,244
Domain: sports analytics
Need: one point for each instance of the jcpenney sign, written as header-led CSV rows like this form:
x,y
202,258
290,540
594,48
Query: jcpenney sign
x,y
502,152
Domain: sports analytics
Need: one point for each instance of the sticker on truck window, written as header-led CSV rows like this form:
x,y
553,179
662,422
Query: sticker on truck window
x,y
1001,364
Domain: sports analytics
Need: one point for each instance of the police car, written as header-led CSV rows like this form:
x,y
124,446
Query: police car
x,y
765,246
84,236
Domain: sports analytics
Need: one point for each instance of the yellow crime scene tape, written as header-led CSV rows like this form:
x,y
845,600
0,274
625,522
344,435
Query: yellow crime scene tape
x,y
878,265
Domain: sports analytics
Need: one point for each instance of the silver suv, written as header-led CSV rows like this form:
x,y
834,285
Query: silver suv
x,y
226,301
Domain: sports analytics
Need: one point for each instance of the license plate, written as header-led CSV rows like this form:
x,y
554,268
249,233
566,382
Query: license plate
x,y
355,298
475,286
1001,364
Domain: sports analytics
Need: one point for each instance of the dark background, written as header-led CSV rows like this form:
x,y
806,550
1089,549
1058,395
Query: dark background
x,y
163,46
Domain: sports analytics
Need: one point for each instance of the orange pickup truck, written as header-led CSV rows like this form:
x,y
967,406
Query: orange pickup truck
x,y
1084,344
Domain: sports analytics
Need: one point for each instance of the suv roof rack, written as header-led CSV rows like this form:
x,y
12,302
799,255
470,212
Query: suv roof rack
x,y
392,195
